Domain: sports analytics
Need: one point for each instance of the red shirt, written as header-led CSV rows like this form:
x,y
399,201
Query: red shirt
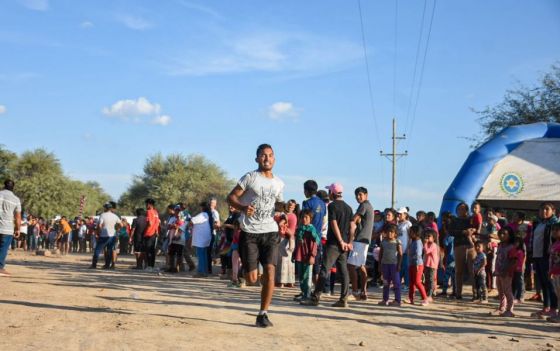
x,y
152,218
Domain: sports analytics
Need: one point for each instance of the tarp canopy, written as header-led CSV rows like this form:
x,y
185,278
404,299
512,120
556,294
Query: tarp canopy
x,y
517,169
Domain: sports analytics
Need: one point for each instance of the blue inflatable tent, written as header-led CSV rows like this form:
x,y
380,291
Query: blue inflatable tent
x,y
517,169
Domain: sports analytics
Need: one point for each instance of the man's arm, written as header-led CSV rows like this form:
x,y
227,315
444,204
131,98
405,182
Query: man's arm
x,y
337,235
17,223
233,200
353,225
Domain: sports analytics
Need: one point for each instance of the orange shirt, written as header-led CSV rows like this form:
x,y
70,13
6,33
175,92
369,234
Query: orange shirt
x,y
153,223
65,226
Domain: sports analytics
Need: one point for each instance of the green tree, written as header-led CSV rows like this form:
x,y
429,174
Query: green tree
x,y
177,178
7,162
524,105
46,191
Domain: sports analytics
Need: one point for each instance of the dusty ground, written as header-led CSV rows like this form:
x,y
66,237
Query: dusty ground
x,y
55,303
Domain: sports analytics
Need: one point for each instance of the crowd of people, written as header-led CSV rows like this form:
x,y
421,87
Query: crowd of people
x,y
275,244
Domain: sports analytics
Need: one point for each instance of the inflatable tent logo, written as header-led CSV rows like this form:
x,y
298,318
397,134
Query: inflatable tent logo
x,y
511,183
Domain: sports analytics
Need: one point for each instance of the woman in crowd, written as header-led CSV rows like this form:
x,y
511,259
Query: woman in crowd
x,y
285,269
539,251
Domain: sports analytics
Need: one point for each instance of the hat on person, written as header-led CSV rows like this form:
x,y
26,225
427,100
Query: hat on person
x,y
177,207
494,217
335,188
107,205
402,210
377,212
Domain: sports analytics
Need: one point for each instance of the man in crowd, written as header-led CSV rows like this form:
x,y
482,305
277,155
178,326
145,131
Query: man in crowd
x,y
337,247
106,229
10,222
319,209
150,234
361,230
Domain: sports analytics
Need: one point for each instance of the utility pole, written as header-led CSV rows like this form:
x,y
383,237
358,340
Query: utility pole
x,y
393,157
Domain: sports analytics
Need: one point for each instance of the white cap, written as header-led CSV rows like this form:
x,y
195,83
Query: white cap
x,y
402,210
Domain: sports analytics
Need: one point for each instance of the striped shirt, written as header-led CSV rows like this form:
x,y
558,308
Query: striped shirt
x,y
9,206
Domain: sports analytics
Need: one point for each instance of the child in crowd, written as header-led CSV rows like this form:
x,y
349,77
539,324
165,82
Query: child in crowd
x,y
307,241
415,265
554,260
479,264
431,261
390,256
449,266
236,281
491,254
505,265
518,284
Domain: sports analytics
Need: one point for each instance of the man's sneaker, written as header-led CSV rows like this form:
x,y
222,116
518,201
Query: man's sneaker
x,y
383,303
4,273
92,267
263,321
395,303
356,295
313,301
340,303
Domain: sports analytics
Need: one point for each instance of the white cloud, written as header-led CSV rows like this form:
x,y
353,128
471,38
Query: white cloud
x,y
134,22
130,110
36,5
268,52
2,109
282,110
86,24
161,120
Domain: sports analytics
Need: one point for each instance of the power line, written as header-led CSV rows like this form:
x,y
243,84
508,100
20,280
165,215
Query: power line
x,y
422,71
372,105
370,89
395,47
418,47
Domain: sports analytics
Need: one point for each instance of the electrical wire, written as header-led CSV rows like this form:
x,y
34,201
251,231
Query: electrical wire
x,y
370,89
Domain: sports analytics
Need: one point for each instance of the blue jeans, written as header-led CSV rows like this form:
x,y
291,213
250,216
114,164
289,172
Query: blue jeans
x,y
404,269
449,274
5,242
202,256
541,270
101,244
31,242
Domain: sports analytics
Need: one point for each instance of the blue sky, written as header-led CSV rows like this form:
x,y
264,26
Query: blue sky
x,y
104,84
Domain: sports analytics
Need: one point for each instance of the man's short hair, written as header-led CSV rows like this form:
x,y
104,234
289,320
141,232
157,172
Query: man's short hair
x,y
262,147
311,186
150,201
360,189
9,184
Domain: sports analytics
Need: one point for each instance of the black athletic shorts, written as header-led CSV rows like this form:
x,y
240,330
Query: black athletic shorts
x,y
255,248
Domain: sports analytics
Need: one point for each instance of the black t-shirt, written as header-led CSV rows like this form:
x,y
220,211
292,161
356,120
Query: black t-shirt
x,y
340,211
139,223
234,217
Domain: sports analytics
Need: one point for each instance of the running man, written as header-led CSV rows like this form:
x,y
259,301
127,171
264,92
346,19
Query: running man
x,y
256,195
10,222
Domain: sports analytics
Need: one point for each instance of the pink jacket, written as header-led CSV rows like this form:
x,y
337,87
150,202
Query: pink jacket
x,y
431,255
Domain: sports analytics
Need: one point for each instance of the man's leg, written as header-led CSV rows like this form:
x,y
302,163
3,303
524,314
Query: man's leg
x,y
341,262
5,243
267,280
353,275
330,254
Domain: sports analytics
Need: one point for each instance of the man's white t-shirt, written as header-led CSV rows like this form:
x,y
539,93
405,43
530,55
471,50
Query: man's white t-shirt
x,y
262,193
107,222
9,206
